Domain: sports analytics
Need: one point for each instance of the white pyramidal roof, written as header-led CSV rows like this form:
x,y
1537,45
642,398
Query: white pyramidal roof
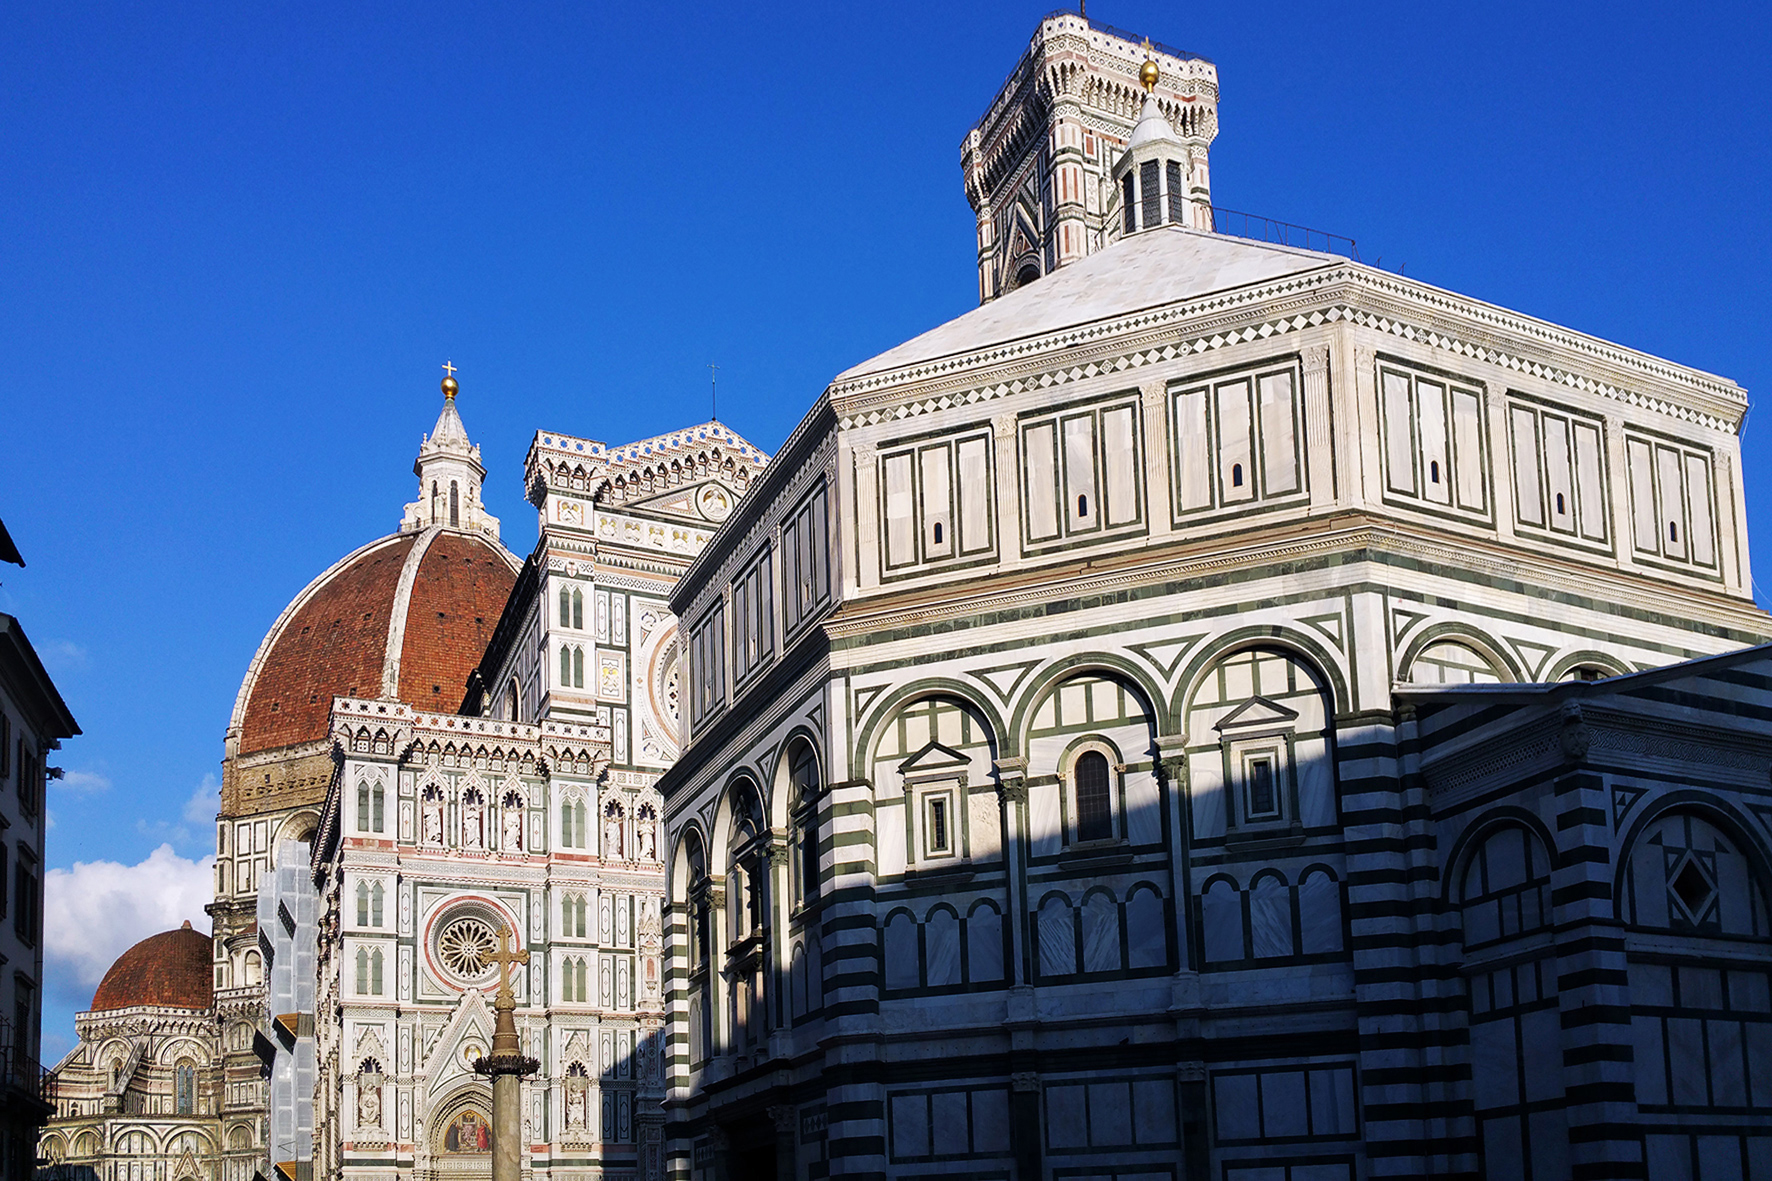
x,y
1149,269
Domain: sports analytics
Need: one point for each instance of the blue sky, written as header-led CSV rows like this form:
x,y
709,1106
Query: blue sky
x,y
237,241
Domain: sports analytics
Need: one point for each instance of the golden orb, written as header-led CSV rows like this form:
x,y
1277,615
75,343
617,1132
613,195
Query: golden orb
x,y
449,387
1147,75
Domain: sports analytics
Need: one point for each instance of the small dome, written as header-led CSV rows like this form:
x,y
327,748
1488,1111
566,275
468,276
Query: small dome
x,y
170,970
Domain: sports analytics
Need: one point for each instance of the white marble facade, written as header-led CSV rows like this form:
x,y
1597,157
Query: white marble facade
x,y
1084,805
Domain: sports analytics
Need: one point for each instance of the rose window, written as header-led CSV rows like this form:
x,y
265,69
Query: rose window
x,y
465,945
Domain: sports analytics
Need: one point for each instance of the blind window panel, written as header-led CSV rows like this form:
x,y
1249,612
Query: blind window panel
x,y
1590,501
1172,175
1646,532
1399,433
1128,208
1193,445
1528,494
1670,496
1698,515
1152,212
1040,451
1279,434
1435,468
975,495
1559,484
1121,464
1468,468
901,538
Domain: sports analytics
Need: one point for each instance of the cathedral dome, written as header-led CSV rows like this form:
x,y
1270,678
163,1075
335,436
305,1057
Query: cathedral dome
x,y
170,970
348,633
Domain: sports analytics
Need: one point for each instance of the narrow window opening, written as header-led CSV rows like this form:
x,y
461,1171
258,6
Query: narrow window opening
x,y
1095,814
938,825
565,607
1126,202
1673,532
1082,505
578,668
936,533
1560,504
1261,787
1236,475
1433,471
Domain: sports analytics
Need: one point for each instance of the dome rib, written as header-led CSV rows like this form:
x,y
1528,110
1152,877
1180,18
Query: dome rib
x,y
170,970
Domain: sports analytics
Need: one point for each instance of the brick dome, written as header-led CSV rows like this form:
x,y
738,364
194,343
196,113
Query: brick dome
x,y
405,617
170,970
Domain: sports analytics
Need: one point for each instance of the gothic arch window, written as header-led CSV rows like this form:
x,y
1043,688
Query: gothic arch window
x,y
513,703
454,506
700,949
362,904
376,896
436,503
369,971
1028,274
371,802
185,1087
250,969
748,903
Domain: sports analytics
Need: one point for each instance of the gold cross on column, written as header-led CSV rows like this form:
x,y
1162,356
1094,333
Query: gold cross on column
x,y
504,957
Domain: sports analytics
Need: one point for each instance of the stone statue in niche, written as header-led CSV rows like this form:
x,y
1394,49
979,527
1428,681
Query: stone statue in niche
x,y
511,840
575,1105
473,832
646,838
432,816
368,1106
612,831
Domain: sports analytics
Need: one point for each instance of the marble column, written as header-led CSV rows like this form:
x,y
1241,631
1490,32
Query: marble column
x,y
506,1065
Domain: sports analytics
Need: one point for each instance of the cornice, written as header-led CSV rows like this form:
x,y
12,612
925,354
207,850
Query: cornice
x,y
1335,293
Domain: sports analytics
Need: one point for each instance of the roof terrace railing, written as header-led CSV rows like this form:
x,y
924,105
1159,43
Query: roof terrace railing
x,y
1238,224
1122,34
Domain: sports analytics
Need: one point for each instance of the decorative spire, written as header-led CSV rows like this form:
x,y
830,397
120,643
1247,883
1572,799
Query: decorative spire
x,y
449,474
1147,73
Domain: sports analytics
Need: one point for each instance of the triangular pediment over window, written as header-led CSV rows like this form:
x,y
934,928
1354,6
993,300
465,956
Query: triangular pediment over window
x,y
934,757
1257,711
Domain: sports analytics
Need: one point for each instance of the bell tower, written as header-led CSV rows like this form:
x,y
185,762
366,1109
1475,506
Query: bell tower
x,y
1039,166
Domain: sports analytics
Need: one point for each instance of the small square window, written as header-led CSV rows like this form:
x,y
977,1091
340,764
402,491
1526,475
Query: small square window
x,y
1261,785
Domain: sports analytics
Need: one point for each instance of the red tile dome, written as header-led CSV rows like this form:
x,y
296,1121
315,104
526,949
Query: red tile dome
x,y
430,598
171,970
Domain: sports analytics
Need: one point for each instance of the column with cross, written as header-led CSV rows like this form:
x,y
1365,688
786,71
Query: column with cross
x,y
506,1065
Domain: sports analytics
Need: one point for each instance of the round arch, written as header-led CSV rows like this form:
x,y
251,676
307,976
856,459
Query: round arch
x,y
1066,668
722,826
1461,632
1465,845
1707,807
782,788
868,733
1322,664
1588,658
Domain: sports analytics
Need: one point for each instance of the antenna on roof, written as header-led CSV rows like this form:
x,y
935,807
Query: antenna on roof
x,y
714,391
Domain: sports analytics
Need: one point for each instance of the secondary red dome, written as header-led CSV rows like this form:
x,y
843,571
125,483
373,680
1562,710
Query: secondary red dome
x,y
170,970
430,598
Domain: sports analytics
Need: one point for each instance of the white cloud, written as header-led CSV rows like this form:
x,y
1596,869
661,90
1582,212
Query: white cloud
x,y
62,656
204,803
84,781
97,910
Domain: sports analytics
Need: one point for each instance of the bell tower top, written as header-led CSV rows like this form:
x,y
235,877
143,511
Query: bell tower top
x,y
449,474
1039,166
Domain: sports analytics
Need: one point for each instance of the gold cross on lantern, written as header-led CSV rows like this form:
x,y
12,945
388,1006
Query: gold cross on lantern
x,y
448,369
504,957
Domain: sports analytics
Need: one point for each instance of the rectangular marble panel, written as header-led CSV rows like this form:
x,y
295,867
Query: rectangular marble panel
x,y
901,537
949,1123
1067,1120
1590,498
1110,1114
1045,833
1435,467
985,825
1399,434
976,494
1698,509
1468,467
1082,508
1559,473
1144,820
1641,465
1121,464
990,1120
1153,1111
1279,434
1672,500
1236,472
937,500
1235,1106
1528,495
1193,452
889,822
1040,480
